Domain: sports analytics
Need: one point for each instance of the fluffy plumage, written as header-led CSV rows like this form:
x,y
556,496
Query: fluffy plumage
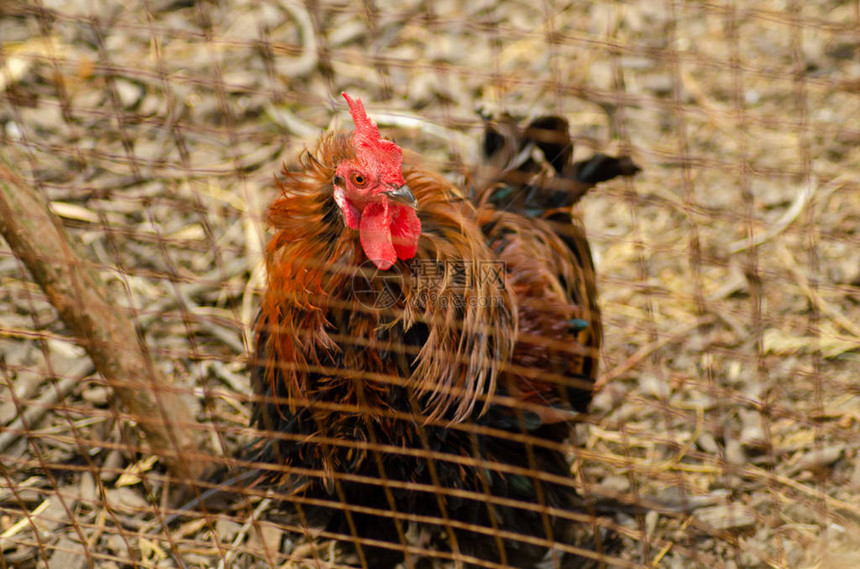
x,y
436,419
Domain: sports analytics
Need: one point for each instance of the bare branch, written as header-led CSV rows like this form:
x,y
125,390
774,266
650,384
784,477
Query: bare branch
x,y
85,305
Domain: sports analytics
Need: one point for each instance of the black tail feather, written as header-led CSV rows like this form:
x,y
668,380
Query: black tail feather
x,y
601,168
521,183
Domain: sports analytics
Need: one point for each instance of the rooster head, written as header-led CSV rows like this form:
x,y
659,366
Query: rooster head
x,y
372,194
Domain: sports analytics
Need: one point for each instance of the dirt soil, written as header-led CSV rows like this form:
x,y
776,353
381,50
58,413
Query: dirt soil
x,y
729,268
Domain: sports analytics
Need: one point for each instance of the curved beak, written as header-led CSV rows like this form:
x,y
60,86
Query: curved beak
x,y
403,195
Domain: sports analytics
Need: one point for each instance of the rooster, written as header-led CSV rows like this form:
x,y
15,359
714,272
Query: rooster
x,y
422,350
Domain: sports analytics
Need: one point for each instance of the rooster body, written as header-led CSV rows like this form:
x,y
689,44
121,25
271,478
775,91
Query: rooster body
x,y
436,417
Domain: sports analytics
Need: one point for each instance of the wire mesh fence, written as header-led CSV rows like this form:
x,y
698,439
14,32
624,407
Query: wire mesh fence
x,y
725,426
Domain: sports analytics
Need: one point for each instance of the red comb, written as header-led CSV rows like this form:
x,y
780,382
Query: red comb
x,y
383,154
365,129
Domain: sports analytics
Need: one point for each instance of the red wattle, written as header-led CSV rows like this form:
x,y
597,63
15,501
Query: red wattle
x,y
405,231
375,235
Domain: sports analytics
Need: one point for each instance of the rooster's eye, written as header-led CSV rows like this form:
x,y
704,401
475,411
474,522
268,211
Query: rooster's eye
x,y
358,180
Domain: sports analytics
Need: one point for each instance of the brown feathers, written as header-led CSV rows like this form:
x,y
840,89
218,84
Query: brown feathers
x,y
314,260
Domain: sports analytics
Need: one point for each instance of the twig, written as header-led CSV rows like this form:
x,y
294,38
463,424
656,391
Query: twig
x,y
243,532
666,548
286,119
23,523
37,410
832,503
648,349
86,306
307,61
189,290
797,206
813,296
225,336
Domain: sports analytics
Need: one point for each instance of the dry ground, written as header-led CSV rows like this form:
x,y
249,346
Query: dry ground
x,y
729,269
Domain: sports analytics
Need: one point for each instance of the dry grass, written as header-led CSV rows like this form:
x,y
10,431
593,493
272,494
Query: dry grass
x,y
729,268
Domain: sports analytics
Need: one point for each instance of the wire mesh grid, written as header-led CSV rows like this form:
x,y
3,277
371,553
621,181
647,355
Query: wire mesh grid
x,y
726,412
